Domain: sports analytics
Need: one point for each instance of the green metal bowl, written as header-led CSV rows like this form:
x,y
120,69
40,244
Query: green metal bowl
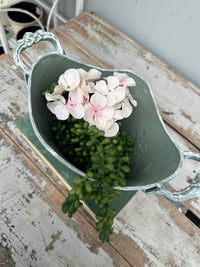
x,y
156,158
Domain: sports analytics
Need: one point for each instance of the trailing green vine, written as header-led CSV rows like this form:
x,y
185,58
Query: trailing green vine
x,y
105,161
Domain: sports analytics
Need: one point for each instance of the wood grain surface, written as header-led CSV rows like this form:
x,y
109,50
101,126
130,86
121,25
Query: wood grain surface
x,y
150,230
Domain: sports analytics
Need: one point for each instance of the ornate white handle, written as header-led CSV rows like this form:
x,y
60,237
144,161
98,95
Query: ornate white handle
x,y
191,191
28,40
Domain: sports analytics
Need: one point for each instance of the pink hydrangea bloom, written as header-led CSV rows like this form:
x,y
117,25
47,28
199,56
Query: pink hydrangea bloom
x,y
96,111
101,104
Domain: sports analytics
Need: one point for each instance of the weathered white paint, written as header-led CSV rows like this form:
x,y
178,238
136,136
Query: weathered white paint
x,y
13,93
152,227
159,231
30,229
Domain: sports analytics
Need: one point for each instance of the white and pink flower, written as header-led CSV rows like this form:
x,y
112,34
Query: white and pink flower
x,y
101,104
73,106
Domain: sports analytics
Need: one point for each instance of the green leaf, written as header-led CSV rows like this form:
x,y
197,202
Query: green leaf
x,y
106,141
93,127
95,158
86,125
119,147
88,187
89,143
109,166
79,191
110,158
125,168
111,152
78,180
100,133
90,174
72,192
101,171
99,225
80,131
77,125
117,192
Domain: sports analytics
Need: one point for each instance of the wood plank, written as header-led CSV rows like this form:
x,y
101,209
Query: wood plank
x,y
156,226
118,50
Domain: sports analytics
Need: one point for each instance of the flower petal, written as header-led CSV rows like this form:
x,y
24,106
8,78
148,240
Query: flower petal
x,y
111,100
126,108
108,113
112,131
52,105
119,93
118,115
88,113
125,79
120,76
58,90
101,87
131,99
82,73
98,99
78,112
93,74
50,97
61,112
100,124
76,95
129,82
91,87
113,82
69,80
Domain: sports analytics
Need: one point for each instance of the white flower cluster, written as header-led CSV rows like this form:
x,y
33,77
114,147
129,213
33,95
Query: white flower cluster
x,y
100,103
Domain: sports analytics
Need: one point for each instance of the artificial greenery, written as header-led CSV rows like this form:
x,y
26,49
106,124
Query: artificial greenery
x,y
105,161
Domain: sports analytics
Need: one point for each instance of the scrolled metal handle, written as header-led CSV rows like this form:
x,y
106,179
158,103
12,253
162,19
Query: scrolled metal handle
x,y
28,40
191,191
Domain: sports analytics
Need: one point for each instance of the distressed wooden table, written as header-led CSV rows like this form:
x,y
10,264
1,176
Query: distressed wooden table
x,y
150,230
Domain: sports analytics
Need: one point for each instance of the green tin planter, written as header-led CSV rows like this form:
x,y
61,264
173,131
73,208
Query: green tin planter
x,y
156,158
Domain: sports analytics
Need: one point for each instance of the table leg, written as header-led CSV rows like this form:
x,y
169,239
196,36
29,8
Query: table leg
x,y
79,7
3,37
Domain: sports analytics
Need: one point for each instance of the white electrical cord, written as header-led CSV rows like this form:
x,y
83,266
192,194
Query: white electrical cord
x,y
23,11
50,14
49,8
